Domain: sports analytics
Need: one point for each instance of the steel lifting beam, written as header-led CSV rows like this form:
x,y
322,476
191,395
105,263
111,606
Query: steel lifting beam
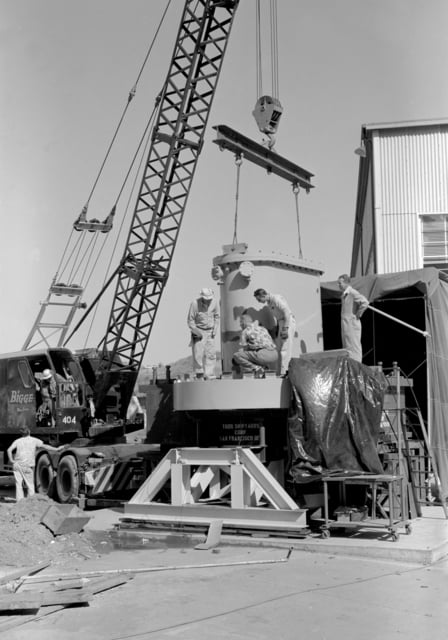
x,y
177,140
262,156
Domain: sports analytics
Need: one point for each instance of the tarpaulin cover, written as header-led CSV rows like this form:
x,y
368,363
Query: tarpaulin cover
x,y
433,285
336,418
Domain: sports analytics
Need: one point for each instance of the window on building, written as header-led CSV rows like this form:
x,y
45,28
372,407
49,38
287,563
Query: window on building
x,y
435,240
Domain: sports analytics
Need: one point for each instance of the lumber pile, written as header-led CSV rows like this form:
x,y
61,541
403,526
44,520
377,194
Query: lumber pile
x,y
23,601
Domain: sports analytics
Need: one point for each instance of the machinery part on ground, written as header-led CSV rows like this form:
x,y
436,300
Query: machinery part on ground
x,y
67,479
44,475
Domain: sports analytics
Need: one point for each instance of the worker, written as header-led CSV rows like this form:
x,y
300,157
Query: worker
x,y
203,320
285,325
22,456
353,305
258,351
46,386
135,412
68,389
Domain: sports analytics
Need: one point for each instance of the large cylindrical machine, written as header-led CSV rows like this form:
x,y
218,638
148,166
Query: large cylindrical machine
x,y
240,272
249,411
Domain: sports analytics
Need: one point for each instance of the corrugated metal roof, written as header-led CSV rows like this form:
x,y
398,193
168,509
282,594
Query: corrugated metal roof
x,y
406,124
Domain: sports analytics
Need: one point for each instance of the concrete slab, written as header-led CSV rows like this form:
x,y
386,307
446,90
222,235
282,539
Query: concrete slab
x,y
426,544
315,595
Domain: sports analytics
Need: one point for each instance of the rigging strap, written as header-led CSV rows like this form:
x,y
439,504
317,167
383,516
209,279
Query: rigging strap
x,y
295,190
238,162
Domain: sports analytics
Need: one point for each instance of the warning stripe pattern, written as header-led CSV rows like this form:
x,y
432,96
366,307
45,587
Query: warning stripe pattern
x,y
113,477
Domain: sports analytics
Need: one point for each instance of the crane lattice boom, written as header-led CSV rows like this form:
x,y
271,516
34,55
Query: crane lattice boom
x,y
177,140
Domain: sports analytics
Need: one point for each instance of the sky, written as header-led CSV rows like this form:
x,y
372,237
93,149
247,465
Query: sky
x,y
66,69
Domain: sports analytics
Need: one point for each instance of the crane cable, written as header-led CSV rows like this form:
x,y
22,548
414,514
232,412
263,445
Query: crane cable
x,y
147,135
74,256
274,49
83,234
258,57
131,95
273,30
238,162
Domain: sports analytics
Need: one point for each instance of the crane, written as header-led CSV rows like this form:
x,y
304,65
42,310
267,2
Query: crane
x,y
177,140
183,108
97,462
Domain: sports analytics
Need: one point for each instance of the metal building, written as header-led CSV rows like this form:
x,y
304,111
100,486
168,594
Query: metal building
x,y
402,200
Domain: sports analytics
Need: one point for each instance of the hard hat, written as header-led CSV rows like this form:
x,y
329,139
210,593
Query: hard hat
x,y
46,373
205,293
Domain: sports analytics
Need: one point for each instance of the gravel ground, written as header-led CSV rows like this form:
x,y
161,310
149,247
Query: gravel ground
x,y
25,541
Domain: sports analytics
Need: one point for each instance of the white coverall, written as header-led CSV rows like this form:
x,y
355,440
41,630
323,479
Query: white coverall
x,y
24,463
203,320
353,305
285,319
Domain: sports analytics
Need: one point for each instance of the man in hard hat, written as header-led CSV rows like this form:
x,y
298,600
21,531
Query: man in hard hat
x,y
22,456
203,321
353,305
285,324
46,386
257,351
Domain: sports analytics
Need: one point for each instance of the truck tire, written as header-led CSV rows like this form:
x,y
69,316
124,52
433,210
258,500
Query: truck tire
x,y
67,479
44,475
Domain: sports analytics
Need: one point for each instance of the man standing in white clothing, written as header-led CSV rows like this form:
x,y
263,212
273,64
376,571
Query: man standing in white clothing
x,y
203,321
286,324
22,456
353,305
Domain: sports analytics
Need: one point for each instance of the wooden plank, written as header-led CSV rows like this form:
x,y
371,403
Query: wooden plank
x,y
24,571
103,584
17,620
25,601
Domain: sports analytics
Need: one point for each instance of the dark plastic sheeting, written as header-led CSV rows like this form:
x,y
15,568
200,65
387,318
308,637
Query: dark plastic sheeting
x,y
434,286
336,416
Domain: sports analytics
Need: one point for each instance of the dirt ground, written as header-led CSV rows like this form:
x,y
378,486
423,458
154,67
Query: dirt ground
x,y
25,541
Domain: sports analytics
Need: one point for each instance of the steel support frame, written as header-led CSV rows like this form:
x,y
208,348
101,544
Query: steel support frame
x,y
191,471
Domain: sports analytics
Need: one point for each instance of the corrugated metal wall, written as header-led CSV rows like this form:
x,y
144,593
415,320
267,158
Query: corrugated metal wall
x,y
410,168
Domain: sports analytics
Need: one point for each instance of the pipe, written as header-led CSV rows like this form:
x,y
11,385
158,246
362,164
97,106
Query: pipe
x,y
89,574
409,326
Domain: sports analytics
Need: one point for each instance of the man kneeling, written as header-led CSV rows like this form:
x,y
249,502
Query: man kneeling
x,y
258,351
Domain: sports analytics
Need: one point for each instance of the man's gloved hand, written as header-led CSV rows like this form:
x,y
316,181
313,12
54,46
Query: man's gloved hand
x,y
196,336
284,333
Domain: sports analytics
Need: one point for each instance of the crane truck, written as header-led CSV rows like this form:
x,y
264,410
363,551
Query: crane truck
x,y
93,388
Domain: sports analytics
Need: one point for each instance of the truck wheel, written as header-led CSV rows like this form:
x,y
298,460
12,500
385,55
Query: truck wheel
x,y
44,475
67,479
